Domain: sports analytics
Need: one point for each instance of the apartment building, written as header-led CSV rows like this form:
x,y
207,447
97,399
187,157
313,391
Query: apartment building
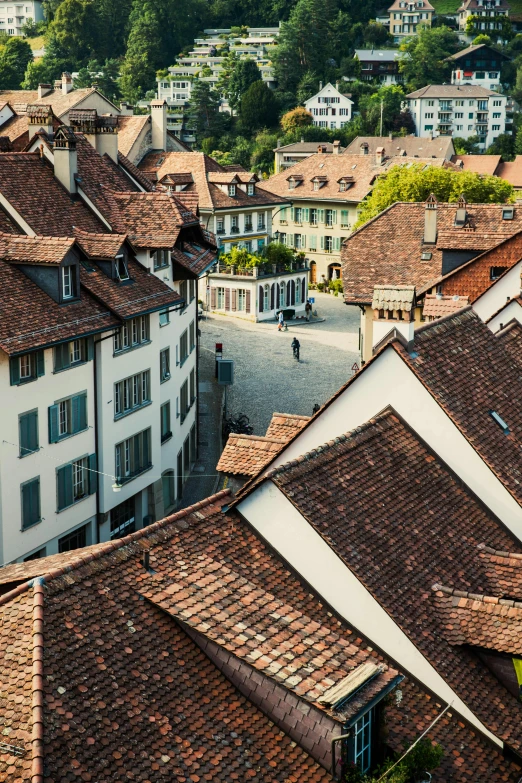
x,y
478,65
459,110
407,15
329,107
379,64
489,16
231,204
13,15
101,345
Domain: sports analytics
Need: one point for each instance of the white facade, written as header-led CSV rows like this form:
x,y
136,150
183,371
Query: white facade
x,y
329,107
249,229
13,15
497,306
460,112
257,298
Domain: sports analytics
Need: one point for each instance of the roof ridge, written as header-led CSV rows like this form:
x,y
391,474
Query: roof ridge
x,y
106,547
269,439
361,429
499,552
292,415
480,597
513,324
37,683
444,319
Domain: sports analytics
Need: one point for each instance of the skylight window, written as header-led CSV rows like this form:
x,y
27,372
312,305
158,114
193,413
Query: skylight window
x,y
508,213
500,421
426,256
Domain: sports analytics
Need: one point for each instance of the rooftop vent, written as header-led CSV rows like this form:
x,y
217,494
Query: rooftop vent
x,y
500,421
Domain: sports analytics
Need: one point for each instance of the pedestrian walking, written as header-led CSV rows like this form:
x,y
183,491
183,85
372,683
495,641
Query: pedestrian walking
x,y
308,310
316,409
281,321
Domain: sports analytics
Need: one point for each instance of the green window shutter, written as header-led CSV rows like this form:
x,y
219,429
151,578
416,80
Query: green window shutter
x,y
90,348
28,433
40,363
322,243
53,424
146,448
334,216
303,241
337,243
312,242
92,476
292,212
306,215
61,357
79,413
31,503
344,217
14,370
65,486
322,217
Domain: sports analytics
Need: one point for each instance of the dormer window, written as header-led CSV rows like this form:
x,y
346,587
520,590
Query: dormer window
x,y
161,259
251,189
68,282
232,190
122,273
317,185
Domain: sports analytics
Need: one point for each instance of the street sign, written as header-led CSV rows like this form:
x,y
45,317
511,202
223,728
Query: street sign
x,y
311,299
355,367
225,372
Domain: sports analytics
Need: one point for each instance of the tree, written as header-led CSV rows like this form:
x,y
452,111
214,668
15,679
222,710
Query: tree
x,y
15,56
203,112
307,87
376,34
138,71
258,108
105,76
244,74
467,146
417,182
482,39
518,142
501,26
423,56
75,28
297,118
503,145
391,97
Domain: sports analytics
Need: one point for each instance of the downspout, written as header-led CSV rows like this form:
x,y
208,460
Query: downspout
x,y
333,742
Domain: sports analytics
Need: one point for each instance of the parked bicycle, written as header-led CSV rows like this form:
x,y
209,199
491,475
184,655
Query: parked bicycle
x,y
239,426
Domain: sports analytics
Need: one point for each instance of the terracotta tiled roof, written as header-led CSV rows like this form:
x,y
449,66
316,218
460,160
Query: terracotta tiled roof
x,y
20,249
285,425
511,338
18,169
475,48
31,319
388,297
511,170
504,571
129,130
481,164
451,90
100,246
438,147
246,455
195,258
134,172
399,537
479,620
190,199
473,5
372,256
150,219
437,305
17,131
396,6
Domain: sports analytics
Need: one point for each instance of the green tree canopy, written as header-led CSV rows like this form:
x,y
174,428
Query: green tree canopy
x,y
423,56
105,76
244,74
417,182
75,28
15,56
296,118
391,97
258,108
503,145
203,113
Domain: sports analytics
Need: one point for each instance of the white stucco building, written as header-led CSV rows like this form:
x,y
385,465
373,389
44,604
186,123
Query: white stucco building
x,y
13,15
330,107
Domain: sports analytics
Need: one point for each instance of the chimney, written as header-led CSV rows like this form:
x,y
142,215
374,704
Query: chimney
x,y
40,117
336,146
107,136
65,158
379,156
337,86
67,83
430,220
320,85
44,89
158,114
126,109
279,143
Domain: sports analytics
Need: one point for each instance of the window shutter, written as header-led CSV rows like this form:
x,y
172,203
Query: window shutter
x,y
79,412
303,294
137,461
288,294
292,212
337,243
303,241
277,295
322,243
334,216
146,448
53,423
65,486
61,357
90,348
31,503
227,298
344,217
272,296
292,292
247,300
321,216
40,363
306,215
313,242
92,476
28,433
14,370
234,299
213,297
260,298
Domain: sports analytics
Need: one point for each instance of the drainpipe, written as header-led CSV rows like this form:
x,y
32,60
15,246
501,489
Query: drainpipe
x,y
333,742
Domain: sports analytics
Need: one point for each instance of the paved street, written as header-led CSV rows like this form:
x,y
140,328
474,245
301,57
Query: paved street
x,y
267,377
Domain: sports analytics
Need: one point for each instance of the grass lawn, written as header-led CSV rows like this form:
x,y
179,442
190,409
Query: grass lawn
x,y
445,6
36,43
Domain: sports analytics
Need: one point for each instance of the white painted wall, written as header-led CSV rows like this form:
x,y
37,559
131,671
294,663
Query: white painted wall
x,y
382,328
389,381
281,524
512,310
492,300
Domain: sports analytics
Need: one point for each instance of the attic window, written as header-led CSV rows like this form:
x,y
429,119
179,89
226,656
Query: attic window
x,y
231,190
251,189
500,421
508,213
122,273
496,271
426,256
461,217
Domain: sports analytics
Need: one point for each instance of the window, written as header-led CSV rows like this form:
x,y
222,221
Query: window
x,y
496,115
266,298
123,519
68,282
298,291
429,115
134,332
67,417
133,456
26,368
220,226
75,540
30,498
330,217
220,298
363,742
497,103
131,393
345,218
470,115
231,190
36,555
251,189
261,224
328,244
496,271
122,272
459,115
184,401
313,217
75,481
234,224
508,213
164,317
28,433
431,103
495,127
166,431
282,215
298,215
169,490
192,386
75,352
282,294
192,336
164,365
161,259
241,299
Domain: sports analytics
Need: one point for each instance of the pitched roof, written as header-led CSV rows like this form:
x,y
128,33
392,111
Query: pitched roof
x,y
511,171
129,130
399,537
246,455
390,297
474,48
134,172
480,164
20,249
371,255
285,425
396,6
100,246
150,219
378,55
309,147
438,306
438,147
452,91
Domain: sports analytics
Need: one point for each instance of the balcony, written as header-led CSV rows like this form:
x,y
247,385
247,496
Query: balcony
x,y
264,270
248,227
220,231
261,227
234,229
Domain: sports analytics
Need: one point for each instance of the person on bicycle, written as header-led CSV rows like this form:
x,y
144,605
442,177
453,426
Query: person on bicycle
x,y
295,347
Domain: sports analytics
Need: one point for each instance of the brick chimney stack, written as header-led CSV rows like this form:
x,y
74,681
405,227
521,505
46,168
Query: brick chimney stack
x,y
67,83
430,220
